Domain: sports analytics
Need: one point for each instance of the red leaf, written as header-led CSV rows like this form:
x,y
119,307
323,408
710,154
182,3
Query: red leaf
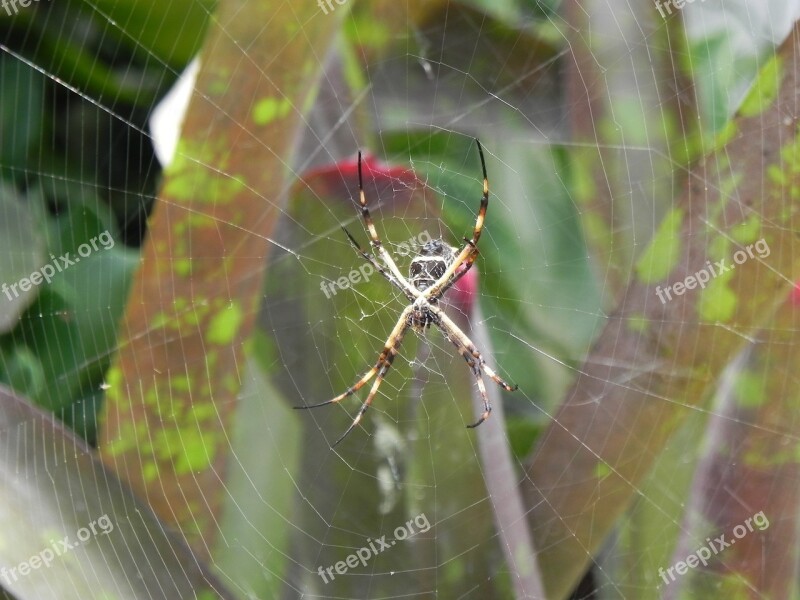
x,y
382,181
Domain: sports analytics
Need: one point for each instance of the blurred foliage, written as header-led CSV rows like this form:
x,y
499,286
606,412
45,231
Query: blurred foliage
x,y
80,80
116,557
74,146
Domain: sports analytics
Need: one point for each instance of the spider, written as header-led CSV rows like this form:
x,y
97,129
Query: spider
x,y
433,272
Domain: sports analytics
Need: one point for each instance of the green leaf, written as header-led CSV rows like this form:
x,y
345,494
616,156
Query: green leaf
x,y
20,121
71,327
664,250
22,251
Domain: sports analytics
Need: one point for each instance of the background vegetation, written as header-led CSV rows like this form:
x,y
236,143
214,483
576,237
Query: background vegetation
x,y
624,151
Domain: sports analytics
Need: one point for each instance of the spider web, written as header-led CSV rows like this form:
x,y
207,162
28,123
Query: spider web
x,y
574,208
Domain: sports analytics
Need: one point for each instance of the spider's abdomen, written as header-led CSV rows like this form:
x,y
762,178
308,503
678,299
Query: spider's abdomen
x,y
430,264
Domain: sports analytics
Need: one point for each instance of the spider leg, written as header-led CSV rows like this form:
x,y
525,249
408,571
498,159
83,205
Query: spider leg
x,y
385,360
468,265
487,406
350,391
447,324
377,266
477,364
376,241
476,371
381,374
436,290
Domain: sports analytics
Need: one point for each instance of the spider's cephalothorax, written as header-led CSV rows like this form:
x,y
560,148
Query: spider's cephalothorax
x,y
433,271
430,264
